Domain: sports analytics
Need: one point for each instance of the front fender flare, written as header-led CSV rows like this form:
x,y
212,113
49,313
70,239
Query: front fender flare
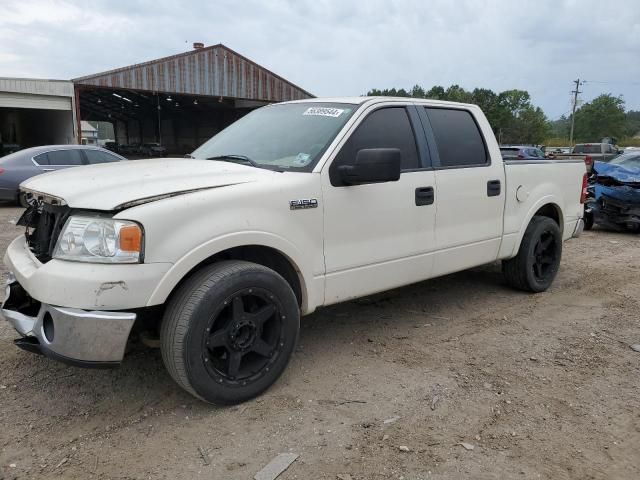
x,y
238,239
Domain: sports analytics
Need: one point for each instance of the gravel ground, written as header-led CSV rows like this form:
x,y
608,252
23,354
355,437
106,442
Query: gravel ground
x,y
542,386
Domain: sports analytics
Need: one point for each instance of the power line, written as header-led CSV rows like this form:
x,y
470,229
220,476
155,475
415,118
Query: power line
x,y
623,82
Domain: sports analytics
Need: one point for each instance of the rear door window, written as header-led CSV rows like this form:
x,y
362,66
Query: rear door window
x,y
458,138
98,156
62,158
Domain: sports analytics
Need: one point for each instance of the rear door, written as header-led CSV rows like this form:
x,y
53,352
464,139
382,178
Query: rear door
x,y
470,190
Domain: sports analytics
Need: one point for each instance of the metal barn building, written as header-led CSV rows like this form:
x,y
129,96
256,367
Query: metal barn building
x,y
182,100
36,112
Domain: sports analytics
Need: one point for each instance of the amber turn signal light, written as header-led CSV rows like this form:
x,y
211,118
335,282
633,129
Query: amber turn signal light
x,y
130,238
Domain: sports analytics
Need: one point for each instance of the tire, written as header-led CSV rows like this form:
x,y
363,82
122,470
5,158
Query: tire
x,y
535,266
21,201
223,350
588,221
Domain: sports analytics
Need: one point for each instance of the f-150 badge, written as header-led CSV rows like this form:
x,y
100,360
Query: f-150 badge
x,y
303,203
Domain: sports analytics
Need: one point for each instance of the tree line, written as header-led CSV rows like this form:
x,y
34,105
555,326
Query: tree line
x,y
515,120
604,116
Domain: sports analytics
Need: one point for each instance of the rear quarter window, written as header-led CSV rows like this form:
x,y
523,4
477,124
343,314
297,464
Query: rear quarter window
x,y
458,138
41,159
98,156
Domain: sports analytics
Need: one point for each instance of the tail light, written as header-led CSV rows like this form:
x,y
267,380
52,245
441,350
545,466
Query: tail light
x,y
1,171
588,161
583,192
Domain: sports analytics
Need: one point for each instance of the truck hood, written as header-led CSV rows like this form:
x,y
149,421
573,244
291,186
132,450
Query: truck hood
x,y
111,186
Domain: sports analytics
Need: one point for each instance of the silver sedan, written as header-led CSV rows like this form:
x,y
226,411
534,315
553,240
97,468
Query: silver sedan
x,y
17,167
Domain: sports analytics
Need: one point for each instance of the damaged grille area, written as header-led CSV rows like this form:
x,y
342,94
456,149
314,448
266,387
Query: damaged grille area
x,y
43,222
612,211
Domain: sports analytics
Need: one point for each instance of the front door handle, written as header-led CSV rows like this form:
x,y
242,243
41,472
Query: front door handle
x,y
494,188
424,196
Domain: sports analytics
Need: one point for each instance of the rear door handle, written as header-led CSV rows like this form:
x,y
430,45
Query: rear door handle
x,y
424,196
494,187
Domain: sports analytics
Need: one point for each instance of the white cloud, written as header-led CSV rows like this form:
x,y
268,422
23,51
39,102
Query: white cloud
x,y
338,47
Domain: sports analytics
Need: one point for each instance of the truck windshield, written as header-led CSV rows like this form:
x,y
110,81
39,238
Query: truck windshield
x,y
290,136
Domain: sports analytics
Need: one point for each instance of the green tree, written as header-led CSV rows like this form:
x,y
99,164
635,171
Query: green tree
x,y
560,128
455,93
632,123
602,117
436,93
511,114
418,92
529,126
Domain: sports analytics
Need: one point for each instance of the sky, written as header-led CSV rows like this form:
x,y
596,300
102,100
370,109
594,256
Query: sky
x,y
342,47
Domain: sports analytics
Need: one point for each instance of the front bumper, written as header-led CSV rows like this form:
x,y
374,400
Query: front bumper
x,y
87,338
87,286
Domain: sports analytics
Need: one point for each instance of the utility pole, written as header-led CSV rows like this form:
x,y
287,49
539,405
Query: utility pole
x,y
573,113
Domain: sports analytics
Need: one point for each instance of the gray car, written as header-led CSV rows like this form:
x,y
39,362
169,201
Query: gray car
x,y
17,167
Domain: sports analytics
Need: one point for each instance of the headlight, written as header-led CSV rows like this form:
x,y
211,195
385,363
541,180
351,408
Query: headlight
x,y
99,240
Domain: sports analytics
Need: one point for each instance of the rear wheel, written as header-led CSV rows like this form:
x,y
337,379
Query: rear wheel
x,y
229,331
535,266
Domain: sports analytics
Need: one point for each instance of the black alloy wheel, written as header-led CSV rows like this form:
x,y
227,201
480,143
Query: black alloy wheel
x,y
229,331
244,337
537,262
545,256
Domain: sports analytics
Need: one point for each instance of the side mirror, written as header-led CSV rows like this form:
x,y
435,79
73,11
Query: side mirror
x,y
373,165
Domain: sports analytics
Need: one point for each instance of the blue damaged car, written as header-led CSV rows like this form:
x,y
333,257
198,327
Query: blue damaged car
x,y
614,194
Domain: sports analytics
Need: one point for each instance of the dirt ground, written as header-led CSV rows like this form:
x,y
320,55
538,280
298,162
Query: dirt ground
x,y
542,386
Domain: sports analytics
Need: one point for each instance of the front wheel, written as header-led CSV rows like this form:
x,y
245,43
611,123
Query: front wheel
x,y
229,331
535,266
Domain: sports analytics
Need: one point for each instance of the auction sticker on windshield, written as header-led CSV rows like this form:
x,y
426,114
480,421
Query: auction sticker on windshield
x,y
324,111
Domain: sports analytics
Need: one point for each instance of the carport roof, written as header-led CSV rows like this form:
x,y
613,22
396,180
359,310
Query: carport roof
x,y
215,71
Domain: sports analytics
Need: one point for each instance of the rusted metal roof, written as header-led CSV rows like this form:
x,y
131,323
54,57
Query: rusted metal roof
x,y
215,71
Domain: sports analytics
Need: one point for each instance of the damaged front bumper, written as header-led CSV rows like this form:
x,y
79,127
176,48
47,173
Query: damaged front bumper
x,y
87,338
616,213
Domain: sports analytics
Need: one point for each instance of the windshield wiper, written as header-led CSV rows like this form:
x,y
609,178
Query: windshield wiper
x,y
248,161
234,159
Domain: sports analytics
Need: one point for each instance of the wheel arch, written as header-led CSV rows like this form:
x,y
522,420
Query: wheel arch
x,y
265,253
545,207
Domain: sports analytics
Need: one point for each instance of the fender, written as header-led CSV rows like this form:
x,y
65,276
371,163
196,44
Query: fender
x,y
312,287
550,199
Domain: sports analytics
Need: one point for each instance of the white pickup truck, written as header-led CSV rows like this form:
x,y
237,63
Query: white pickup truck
x,y
295,206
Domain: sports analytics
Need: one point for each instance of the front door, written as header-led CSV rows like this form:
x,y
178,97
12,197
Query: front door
x,y
378,236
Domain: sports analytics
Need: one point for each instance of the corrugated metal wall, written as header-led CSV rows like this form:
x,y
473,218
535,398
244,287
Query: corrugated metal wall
x,y
214,71
55,88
